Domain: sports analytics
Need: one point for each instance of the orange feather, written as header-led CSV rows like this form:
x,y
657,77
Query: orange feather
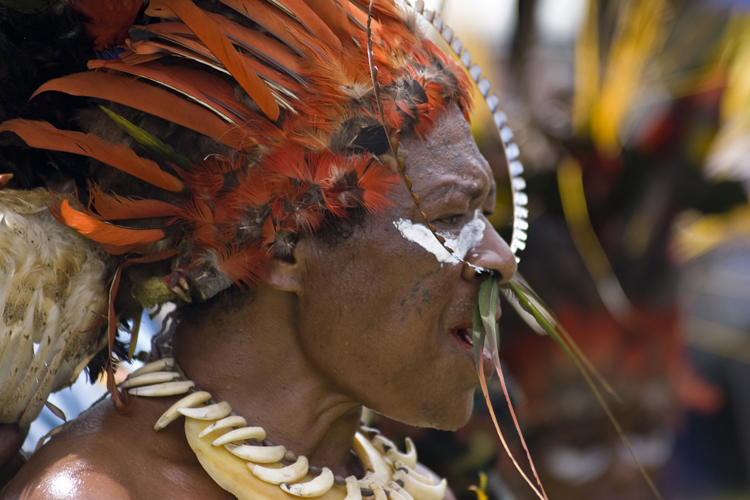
x,y
265,47
334,15
312,22
101,232
211,34
277,23
149,99
202,87
45,136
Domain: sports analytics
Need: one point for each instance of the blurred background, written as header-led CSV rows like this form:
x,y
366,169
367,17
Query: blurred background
x,y
633,120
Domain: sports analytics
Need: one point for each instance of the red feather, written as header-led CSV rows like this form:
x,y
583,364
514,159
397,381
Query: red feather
x,y
247,267
114,207
45,136
109,21
211,34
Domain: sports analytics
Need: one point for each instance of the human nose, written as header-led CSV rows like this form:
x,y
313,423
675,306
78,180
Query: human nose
x,y
492,253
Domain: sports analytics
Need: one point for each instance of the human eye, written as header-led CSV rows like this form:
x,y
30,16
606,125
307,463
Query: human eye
x,y
449,220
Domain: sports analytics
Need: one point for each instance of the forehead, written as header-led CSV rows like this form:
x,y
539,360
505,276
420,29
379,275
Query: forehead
x,y
447,161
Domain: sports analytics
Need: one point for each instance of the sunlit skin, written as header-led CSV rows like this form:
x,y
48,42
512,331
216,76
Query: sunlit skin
x,y
371,320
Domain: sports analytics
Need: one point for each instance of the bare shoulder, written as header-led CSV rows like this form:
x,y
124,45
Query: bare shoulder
x,y
103,454
69,477
421,469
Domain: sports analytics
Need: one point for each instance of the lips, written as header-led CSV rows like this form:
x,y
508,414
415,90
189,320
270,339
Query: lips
x,y
462,334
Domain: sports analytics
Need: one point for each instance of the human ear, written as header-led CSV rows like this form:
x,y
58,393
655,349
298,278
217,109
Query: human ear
x,y
287,274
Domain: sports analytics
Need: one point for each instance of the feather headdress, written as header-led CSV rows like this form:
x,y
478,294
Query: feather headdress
x,y
280,87
225,130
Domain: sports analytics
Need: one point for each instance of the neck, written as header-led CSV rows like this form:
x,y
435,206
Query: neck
x,y
251,358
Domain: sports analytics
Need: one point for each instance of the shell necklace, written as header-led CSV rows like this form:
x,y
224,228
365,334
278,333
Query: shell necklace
x,y
242,461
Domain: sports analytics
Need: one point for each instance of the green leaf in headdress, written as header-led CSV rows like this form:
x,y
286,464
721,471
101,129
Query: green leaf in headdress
x,y
148,140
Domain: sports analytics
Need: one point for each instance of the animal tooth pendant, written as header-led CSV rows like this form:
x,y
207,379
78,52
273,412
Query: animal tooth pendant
x,y
353,491
401,491
154,366
257,454
409,458
165,389
188,401
383,444
314,488
232,421
149,379
414,474
250,471
210,412
378,491
256,433
419,490
289,474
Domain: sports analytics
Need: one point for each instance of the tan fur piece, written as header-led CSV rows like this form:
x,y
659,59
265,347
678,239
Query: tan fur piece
x,y
53,289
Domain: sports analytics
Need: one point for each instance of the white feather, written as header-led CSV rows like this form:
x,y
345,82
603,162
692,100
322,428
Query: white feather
x,y
53,289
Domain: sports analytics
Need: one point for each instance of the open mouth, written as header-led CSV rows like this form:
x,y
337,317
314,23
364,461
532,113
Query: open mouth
x,y
463,335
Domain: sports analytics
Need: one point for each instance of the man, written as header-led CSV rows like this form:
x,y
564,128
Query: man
x,y
362,288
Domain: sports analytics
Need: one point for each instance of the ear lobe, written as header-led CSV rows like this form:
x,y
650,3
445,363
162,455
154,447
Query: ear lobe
x,y
287,275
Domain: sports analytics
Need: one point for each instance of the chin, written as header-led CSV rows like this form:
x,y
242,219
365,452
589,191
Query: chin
x,y
441,414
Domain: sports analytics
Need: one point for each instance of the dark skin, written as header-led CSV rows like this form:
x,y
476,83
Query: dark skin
x,y
369,321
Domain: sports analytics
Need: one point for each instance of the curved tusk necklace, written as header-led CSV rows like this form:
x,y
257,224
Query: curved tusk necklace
x,y
242,461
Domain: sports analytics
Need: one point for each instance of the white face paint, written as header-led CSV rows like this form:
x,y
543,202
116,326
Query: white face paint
x,y
470,237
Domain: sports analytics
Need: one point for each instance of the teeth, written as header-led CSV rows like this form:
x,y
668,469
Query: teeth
x,y
403,469
257,454
409,458
165,389
210,412
149,379
353,492
405,494
233,421
188,401
378,491
383,444
289,474
418,489
256,433
154,366
314,488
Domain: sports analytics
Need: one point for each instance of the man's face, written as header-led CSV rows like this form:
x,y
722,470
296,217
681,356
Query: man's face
x,y
385,314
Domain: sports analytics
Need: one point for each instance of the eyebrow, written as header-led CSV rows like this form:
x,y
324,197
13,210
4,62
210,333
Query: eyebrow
x,y
473,191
